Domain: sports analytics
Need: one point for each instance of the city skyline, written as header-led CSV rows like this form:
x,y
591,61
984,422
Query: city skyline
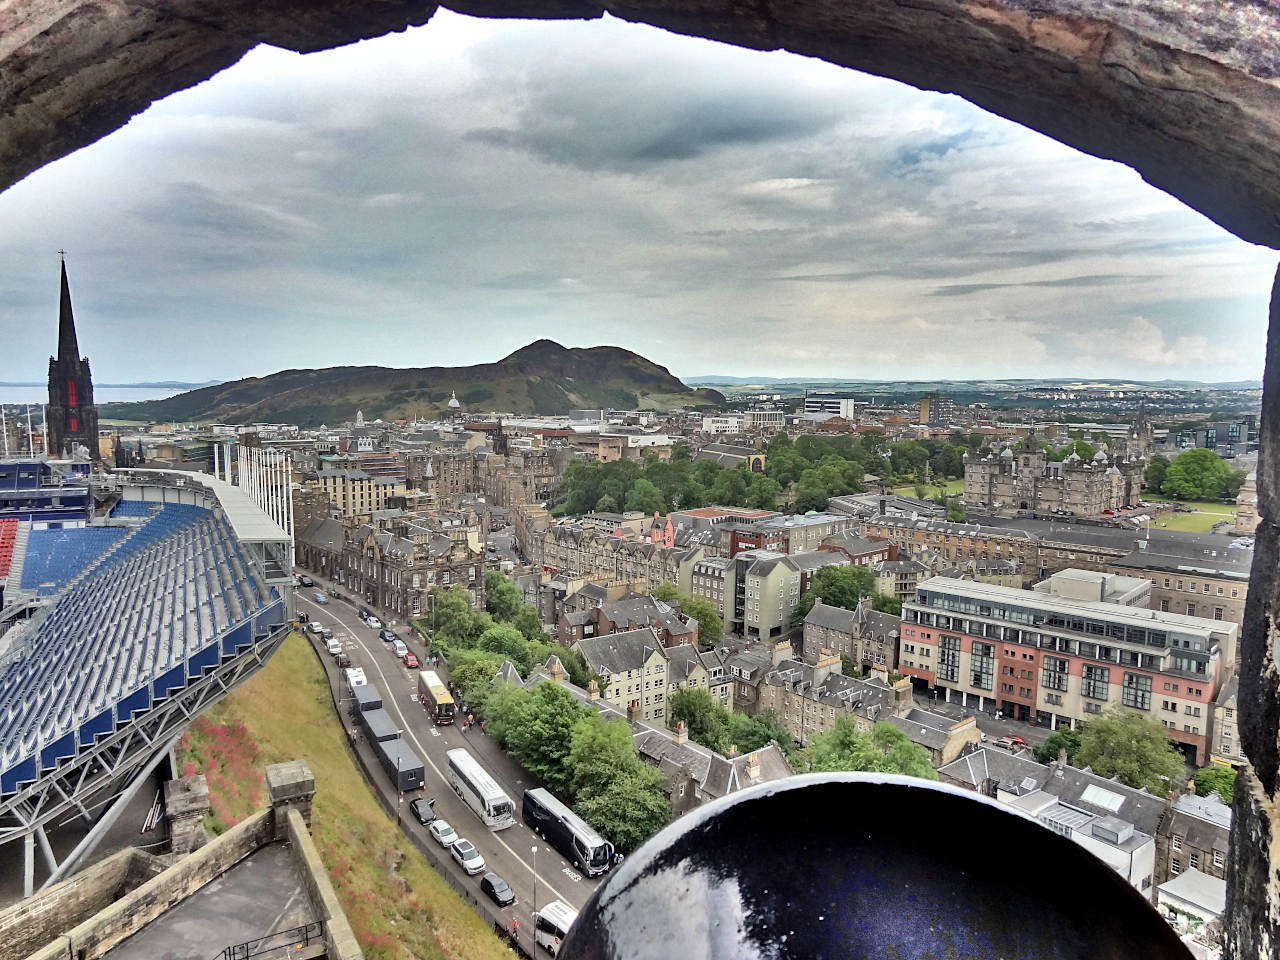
x,y
447,195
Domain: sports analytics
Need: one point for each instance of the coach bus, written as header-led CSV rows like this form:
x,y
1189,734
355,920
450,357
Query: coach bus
x,y
566,831
481,792
435,697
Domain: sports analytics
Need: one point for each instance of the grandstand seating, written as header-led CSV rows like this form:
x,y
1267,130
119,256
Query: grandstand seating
x,y
55,556
8,531
172,600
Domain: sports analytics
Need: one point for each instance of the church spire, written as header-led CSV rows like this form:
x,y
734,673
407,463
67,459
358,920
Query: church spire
x,y
68,348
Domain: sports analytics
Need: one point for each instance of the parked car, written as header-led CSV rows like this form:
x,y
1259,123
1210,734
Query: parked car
x,y
496,889
342,660
364,613
387,635
1006,743
320,598
424,810
1017,740
467,855
411,660
316,628
374,623
442,833
400,648
306,581
326,634
333,646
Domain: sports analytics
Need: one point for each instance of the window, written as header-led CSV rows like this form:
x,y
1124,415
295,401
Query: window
x,y
1094,682
1164,606
1177,842
1230,713
1217,613
1054,674
1191,609
1175,866
1194,861
1218,859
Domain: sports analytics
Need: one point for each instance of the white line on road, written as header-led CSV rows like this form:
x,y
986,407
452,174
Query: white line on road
x,y
428,760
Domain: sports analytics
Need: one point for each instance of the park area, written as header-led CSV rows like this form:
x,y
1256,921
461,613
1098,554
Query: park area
x,y
1206,514
951,488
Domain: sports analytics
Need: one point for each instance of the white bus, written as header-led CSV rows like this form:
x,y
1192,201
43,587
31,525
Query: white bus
x,y
551,925
473,784
566,831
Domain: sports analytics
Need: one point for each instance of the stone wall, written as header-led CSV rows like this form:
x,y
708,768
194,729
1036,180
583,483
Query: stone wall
x,y
107,927
33,922
340,939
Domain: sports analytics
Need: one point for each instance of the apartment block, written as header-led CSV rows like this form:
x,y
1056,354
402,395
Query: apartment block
x,y
1060,660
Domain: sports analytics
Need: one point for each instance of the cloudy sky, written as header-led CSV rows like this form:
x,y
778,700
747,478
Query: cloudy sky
x,y
447,195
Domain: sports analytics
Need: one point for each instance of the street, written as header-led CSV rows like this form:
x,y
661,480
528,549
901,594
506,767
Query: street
x,y
508,852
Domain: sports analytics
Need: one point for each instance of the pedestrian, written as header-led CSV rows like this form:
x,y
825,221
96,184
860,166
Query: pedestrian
x,y
482,726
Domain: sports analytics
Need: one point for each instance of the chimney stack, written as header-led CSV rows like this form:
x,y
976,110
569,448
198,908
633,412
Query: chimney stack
x,y
682,732
633,711
733,750
753,764
593,689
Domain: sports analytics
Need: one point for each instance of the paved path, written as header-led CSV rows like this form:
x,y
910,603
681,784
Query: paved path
x,y
506,852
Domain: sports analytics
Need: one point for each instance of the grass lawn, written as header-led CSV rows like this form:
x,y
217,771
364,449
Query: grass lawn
x,y
398,905
952,488
1207,514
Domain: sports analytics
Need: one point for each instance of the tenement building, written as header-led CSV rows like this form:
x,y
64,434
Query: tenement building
x,y
1027,482
1061,660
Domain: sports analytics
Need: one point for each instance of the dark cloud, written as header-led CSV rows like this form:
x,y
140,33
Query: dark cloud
x,y
446,195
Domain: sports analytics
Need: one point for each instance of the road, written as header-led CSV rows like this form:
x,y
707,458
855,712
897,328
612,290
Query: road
x,y
508,852
987,723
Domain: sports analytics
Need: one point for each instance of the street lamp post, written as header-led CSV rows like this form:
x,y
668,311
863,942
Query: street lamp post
x,y
535,882
399,789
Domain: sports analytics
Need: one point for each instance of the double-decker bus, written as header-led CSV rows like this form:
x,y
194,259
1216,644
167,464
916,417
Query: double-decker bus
x,y
473,784
566,831
435,698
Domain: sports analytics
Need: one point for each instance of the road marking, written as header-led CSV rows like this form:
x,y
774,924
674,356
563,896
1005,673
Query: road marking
x,y
426,759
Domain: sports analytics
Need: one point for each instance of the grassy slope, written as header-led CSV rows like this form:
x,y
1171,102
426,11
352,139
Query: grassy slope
x,y
397,904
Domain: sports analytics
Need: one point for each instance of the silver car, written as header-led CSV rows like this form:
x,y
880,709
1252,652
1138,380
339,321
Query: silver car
x,y
468,856
442,833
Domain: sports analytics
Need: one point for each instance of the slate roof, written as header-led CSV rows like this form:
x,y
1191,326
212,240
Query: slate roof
x,y
578,618
817,559
324,532
871,699
1013,773
929,730
681,660
832,618
619,652
854,544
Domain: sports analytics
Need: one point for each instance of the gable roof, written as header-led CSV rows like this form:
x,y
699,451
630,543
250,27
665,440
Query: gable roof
x,y
619,652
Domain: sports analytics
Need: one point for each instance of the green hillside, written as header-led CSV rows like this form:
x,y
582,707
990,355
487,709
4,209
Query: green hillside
x,y
542,378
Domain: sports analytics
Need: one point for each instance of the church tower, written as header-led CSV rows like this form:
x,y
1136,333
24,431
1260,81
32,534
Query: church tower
x,y
71,418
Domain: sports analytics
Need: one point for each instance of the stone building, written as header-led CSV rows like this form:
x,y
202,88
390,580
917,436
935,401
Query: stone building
x,y
71,418
1224,742
580,550
1027,482
864,635
635,668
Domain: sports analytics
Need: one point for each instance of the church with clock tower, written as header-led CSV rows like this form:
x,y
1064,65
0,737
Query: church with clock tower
x,y
70,418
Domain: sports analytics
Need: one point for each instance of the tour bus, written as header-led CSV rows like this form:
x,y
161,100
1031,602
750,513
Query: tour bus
x,y
435,698
566,831
473,784
551,925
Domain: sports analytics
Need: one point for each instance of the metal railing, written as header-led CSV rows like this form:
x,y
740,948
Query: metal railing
x,y
302,936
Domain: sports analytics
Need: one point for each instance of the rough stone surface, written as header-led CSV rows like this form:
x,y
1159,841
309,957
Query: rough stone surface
x,y
1253,873
289,785
186,801
1185,91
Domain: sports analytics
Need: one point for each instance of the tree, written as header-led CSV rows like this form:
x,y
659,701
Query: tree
x,y
606,504
501,597
645,498
886,603
456,621
506,641
628,808
598,748
883,749
1063,739
472,672
710,625
810,498
541,740
750,732
707,720
836,587
1216,779
1125,744
1232,490
955,511
504,707
1155,473
1196,475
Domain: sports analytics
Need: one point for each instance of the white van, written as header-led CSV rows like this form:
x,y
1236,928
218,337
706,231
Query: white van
x,y
551,925
355,677
334,645
399,647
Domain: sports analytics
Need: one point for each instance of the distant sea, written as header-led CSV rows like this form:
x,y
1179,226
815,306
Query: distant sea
x,y
37,395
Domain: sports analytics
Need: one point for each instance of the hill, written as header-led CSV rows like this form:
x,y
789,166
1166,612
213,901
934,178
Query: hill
x,y
542,378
